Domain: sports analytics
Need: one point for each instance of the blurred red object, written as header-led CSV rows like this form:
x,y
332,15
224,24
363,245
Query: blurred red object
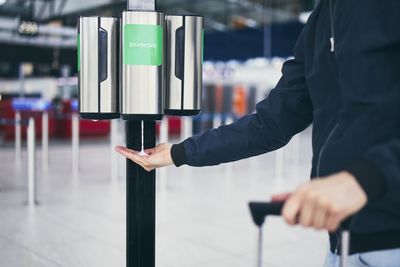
x,y
87,128
8,113
59,122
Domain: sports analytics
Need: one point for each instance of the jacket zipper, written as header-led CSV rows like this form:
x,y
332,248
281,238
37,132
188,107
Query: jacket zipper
x,y
332,20
323,148
318,173
332,41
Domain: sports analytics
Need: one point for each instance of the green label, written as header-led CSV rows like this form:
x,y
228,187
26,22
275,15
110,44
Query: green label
x,y
78,41
143,45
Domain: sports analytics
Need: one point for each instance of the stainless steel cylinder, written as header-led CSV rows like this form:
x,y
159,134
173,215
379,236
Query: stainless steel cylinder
x,y
143,74
184,64
98,63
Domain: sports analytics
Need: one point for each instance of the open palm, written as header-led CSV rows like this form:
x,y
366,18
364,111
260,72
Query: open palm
x,y
157,157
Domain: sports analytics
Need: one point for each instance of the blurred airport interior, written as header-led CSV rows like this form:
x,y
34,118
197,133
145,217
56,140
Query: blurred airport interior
x,y
62,186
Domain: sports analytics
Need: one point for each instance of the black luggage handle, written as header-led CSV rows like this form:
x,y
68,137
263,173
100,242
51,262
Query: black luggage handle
x,y
260,210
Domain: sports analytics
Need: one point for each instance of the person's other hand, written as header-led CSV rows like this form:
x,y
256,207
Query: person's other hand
x,y
324,203
157,157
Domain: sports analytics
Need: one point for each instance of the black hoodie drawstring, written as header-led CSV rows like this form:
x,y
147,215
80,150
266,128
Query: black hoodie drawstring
x,y
332,39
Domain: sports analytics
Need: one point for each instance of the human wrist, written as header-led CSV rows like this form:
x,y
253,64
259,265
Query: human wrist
x,y
353,183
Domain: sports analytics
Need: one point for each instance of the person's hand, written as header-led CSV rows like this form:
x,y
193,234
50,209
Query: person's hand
x,y
324,203
157,157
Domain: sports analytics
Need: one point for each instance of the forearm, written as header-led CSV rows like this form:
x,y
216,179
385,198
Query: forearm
x,y
276,121
245,138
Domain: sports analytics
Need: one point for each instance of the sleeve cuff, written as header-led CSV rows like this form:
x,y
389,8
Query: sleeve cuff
x,y
370,177
178,154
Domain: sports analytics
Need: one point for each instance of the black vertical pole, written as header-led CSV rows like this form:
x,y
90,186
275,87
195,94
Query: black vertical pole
x,y
140,199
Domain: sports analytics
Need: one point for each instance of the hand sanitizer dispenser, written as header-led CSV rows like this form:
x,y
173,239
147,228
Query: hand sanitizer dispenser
x,y
184,64
98,58
143,65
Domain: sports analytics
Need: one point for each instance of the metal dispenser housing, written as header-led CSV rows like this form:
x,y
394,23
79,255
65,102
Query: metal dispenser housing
x,y
143,57
98,58
184,64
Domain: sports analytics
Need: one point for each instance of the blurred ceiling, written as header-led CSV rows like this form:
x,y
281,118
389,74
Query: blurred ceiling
x,y
220,14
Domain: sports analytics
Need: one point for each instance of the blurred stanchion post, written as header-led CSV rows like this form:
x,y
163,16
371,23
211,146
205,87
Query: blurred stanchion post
x,y
229,119
228,167
31,183
163,172
45,141
75,145
164,129
114,156
217,120
186,131
295,151
186,127
18,149
121,140
279,168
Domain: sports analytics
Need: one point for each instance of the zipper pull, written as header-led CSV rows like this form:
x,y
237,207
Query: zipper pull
x,y
332,39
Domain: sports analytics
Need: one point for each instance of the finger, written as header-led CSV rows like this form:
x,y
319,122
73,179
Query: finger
x,y
127,152
280,197
119,148
332,223
307,212
319,218
122,149
291,208
336,218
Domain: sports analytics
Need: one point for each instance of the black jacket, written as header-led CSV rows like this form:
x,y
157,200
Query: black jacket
x,y
351,96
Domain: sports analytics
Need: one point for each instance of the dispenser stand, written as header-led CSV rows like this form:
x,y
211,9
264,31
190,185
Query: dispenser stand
x,y
140,199
140,187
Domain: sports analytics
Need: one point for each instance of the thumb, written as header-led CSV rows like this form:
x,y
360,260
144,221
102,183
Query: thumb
x,y
280,197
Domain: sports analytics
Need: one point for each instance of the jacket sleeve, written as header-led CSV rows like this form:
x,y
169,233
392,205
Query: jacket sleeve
x,y
286,111
379,63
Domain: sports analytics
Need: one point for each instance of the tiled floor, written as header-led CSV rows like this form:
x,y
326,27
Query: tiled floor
x,y
202,213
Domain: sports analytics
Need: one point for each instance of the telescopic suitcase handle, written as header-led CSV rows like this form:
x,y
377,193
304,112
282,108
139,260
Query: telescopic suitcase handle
x,y
260,210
